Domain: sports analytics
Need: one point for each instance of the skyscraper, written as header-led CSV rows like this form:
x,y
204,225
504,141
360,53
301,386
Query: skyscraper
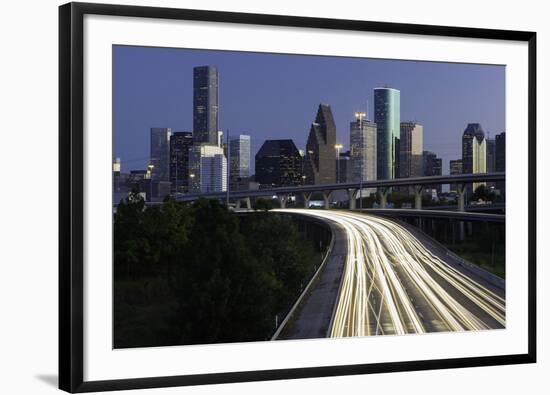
x,y
455,167
239,148
500,159
279,163
207,168
180,143
362,149
432,166
490,155
343,167
500,152
490,158
410,147
213,173
387,116
160,153
320,166
474,152
205,104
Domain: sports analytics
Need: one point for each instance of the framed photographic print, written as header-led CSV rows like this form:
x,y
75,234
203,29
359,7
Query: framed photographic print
x,y
256,197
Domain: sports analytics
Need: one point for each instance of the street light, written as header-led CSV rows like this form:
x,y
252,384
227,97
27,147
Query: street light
x,y
191,176
338,148
360,116
150,168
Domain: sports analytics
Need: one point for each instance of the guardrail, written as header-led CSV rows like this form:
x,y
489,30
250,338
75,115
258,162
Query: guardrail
x,y
291,312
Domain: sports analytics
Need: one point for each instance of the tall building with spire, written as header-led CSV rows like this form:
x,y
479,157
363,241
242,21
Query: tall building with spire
x,y
387,116
205,105
320,164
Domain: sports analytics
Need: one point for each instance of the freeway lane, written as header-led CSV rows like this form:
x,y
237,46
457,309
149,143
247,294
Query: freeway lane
x,y
393,284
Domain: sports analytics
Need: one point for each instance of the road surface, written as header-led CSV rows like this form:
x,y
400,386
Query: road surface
x,y
393,284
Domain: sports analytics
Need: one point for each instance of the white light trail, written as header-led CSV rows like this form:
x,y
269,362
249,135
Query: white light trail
x,y
392,284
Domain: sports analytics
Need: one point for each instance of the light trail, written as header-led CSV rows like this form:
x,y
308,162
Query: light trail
x,y
392,284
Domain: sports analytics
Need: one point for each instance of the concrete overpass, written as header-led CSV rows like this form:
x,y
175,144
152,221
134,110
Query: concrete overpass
x,y
353,189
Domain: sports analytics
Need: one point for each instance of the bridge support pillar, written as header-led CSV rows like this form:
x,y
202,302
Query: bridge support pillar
x,y
352,195
248,203
418,197
383,193
282,200
326,197
461,191
307,198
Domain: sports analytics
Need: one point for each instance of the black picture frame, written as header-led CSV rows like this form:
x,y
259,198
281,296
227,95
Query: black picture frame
x,y
71,204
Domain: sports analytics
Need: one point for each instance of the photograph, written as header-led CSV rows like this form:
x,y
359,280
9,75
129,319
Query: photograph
x,y
261,196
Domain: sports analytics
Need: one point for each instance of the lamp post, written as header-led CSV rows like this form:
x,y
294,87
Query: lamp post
x,y
191,185
359,116
338,147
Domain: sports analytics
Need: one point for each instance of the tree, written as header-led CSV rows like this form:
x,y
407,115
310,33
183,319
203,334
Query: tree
x,y
263,204
482,193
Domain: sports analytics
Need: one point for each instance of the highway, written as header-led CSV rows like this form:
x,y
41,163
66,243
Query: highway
x,y
393,284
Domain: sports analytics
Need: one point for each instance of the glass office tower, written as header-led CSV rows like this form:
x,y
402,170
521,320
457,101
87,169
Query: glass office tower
x,y
205,105
387,116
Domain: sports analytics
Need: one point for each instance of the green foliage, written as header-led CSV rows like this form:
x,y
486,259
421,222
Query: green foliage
x,y
188,274
263,204
484,194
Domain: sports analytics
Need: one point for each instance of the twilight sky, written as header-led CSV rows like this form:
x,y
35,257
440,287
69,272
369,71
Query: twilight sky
x,y
272,96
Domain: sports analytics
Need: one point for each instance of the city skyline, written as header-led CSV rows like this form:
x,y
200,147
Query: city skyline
x,y
173,108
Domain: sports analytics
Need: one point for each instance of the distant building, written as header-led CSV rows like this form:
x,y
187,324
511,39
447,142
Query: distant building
x,y
363,135
432,166
118,180
180,143
244,184
343,167
116,165
239,163
490,155
207,169
474,152
410,150
490,159
387,116
136,176
160,153
320,166
278,163
155,190
205,105
239,148
500,152
214,173
500,158
455,167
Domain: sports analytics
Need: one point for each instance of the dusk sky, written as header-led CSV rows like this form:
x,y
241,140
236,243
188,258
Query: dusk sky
x,y
272,96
